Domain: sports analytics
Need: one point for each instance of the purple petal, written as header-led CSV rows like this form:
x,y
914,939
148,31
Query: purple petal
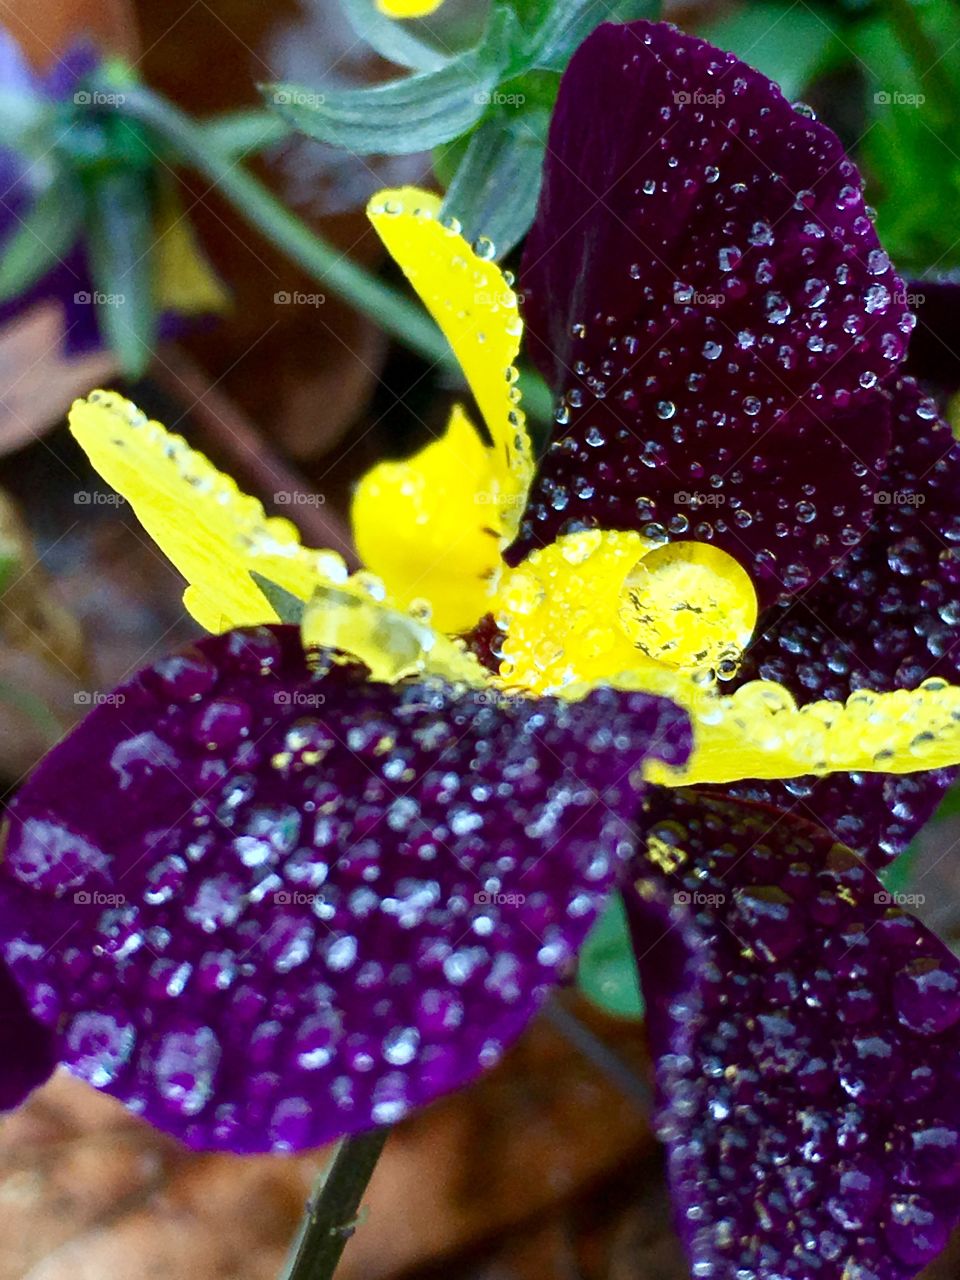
x,y
273,906
886,618
27,1055
704,288
807,1037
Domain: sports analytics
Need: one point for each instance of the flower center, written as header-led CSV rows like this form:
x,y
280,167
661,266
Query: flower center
x,y
689,604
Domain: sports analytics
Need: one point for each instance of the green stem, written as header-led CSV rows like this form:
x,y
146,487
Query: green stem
x,y
397,315
401,318
331,1217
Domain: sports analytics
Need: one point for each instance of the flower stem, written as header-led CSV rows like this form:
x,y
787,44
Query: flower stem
x,y
331,1217
402,319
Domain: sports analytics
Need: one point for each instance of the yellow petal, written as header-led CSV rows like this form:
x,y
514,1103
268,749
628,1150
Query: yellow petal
x,y
561,611
476,307
408,8
185,282
760,732
427,527
214,534
355,620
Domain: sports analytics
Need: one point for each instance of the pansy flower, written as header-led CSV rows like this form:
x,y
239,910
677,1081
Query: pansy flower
x,y
299,878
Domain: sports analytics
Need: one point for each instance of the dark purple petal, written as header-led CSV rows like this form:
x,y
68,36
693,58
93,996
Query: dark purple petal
x,y
807,1038
704,288
885,618
267,906
27,1054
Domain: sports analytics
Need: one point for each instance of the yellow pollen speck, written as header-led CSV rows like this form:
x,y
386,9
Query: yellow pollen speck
x,y
666,856
281,759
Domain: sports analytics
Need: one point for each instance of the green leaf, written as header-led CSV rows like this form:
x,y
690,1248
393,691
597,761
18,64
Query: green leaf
x,y
409,115
120,240
569,22
494,191
790,44
393,40
607,971
44,236
287,606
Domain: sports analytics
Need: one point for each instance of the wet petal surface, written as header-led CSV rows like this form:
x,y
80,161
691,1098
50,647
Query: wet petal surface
x,y
886,618
705,290
265,905
807,1032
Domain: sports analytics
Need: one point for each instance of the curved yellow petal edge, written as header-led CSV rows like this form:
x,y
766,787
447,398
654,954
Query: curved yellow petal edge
x,y
214,534
476,308
760,732
408,8
428,528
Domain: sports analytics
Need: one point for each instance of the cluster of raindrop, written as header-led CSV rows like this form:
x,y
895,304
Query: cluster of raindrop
x,y
813,1092
303,902
722,384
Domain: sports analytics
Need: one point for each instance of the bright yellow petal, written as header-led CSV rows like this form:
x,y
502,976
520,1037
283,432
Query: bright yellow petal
x,y
185,282
760,732
354,620
408,8
427,527
214,534
595,605
476,307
